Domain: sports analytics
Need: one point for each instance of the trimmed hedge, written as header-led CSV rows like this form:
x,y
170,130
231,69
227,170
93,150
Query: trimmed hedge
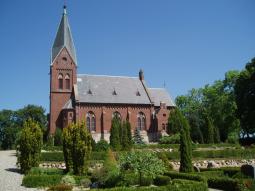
x,y
161,180
189,185
186,176
176,185
45,171
226,184
34,181
59,157
226,153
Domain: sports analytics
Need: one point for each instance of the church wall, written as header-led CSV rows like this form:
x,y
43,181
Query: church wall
x,y
104,114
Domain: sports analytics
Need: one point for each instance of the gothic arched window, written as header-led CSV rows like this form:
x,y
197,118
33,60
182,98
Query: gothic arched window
x,y
91,121
116,114
60,81
67,81
141,121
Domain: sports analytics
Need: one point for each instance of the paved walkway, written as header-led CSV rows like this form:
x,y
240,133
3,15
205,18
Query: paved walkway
x,y
10,178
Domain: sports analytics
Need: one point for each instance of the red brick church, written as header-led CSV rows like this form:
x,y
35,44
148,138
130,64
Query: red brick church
x,y
97,98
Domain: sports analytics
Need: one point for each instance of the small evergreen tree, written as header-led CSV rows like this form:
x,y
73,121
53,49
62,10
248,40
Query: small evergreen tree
x,y
76,147
29,146
210,131
126,141
115,134
185,145
137,138
216,135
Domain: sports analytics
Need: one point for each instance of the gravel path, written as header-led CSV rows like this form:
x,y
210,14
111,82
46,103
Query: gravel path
x,y
10,178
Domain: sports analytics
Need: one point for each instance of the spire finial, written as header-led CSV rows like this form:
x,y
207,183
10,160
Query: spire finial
x,y
64,7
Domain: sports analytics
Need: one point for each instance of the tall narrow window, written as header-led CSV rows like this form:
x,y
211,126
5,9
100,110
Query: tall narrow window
x,y
91,121
116,114
60,81
141,121
67,81
88,123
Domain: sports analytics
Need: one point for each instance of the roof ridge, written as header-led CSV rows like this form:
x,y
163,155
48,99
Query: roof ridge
x,y
106,75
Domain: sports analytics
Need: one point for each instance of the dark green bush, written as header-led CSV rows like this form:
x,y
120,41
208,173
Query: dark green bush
x,y
61,187
187,176
146,181
102,145
226,184
225,153
29,146
163,157
33,181
45,171
59,157
161,180
189,185
172,139
52,157
76,147
98,155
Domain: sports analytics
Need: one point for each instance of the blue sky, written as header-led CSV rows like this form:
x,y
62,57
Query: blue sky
x,y
185,43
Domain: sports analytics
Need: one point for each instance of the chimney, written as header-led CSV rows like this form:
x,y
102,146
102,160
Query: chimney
x,y
141,76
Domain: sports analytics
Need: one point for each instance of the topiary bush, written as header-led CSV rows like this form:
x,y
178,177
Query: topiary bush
x,y
85,183
61,187
29,146
226,184
68,180
161,180
102,145
172,139
34,181
76,147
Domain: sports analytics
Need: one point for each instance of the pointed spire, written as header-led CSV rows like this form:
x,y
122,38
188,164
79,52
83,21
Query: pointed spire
x,y
63,38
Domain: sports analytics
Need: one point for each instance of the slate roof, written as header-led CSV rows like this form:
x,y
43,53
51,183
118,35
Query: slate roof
x,y
110,89
160,95
68,105
63,39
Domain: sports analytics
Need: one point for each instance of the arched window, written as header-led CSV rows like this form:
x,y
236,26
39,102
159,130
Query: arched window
x,y
141,121
116,114
60,81
91,121
67,81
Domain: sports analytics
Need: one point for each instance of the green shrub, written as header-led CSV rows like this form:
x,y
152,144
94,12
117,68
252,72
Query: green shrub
x,y
45,171
29,146
85,183
102,145
146,181
226,184
172,139
59,157
33,181
58,137
60,187
76,147
68,180
161,180
189,185
186,176
163,157
98,155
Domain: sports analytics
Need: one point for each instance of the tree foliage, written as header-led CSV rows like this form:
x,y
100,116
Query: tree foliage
x,y
120,135
185,144
76,147
11,122
142,163
29,146
245,98
216,101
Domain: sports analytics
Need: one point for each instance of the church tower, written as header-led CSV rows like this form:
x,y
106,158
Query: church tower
x,y
62,73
